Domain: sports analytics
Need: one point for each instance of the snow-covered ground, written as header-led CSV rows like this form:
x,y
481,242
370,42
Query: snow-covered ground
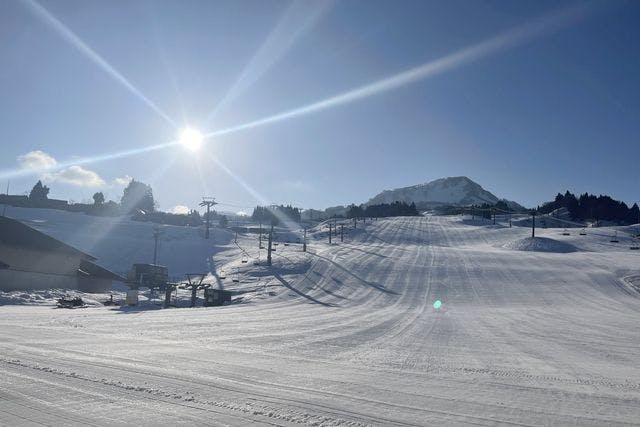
x,y
348,334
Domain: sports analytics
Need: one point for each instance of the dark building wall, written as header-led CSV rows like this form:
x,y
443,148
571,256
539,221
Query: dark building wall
x,y
25,259
15,280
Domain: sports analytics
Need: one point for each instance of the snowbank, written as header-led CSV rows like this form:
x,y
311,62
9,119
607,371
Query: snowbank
x,y
540,244
49,297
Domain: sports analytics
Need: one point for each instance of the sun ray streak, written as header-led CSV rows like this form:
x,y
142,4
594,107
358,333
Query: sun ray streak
x,y
509,39
514,37
97,236
43,14
298,19
262,201
16,173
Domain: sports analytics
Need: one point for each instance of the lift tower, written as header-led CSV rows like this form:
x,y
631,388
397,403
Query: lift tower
x,y
208,202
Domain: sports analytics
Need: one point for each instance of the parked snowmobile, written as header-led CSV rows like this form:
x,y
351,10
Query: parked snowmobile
x,y
67,302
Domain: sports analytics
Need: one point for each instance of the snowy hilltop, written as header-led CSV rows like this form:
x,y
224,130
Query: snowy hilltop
x,y
458,190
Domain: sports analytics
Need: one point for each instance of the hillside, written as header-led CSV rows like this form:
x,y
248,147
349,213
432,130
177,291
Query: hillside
x,y
118,242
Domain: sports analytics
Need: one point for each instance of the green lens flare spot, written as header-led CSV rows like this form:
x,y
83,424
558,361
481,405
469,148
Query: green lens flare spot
x,y
437,304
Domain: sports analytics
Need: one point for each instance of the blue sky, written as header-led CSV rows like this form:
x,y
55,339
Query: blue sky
x,y
552,110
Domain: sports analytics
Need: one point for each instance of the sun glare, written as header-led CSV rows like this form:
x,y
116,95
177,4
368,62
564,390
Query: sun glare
x,y
191,139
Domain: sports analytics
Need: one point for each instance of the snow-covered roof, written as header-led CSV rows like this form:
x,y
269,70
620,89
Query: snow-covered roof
x,y
15,233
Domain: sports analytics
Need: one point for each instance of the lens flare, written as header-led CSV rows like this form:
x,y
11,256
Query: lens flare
x,y
538,27
284,220
191,139
298,19
509,39
47,17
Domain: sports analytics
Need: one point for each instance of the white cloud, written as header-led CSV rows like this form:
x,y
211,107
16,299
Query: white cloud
x,y
37,160
42,162
180,210
76,175
125,180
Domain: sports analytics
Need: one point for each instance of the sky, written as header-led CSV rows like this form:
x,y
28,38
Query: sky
x,y
319,103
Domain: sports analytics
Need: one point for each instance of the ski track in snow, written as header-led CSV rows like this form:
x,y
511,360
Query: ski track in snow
x,y
347,335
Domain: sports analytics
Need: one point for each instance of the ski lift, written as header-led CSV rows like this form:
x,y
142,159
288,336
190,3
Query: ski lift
x,y
634,248
583,232
222,274
244,259
236,277
566,233
286,244
614,239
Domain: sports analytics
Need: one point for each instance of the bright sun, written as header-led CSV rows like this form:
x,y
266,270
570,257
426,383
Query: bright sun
x,y
191,139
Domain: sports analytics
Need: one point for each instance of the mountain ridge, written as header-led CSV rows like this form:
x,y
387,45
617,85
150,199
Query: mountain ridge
x,y
457,190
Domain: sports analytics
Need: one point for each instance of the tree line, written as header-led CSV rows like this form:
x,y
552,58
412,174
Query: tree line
x,y
595,208
587,207
382,210
275,213
137,200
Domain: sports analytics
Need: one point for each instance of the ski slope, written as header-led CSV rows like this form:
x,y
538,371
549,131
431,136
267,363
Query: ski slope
x,y
347,335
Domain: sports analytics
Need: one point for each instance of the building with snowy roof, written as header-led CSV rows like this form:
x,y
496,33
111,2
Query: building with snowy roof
x,y
30,259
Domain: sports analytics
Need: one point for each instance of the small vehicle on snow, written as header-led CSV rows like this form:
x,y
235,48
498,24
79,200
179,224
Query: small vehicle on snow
x,y
68,302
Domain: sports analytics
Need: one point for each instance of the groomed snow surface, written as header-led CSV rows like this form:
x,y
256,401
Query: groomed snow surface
x,y
540,244
347,334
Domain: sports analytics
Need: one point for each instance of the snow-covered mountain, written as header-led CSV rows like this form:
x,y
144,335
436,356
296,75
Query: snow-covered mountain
x,y
458,190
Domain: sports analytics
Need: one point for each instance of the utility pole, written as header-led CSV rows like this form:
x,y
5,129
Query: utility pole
x,y
260,238
533,224
493,211
208,202
341,233
156,235
304,241
355,222
269,247
329,233
236,239
168,288
509,219
4,207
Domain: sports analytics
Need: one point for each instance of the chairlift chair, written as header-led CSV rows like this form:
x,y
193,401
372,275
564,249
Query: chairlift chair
x,y
614,239
236,278
222,274
583,232
244,259
566,233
